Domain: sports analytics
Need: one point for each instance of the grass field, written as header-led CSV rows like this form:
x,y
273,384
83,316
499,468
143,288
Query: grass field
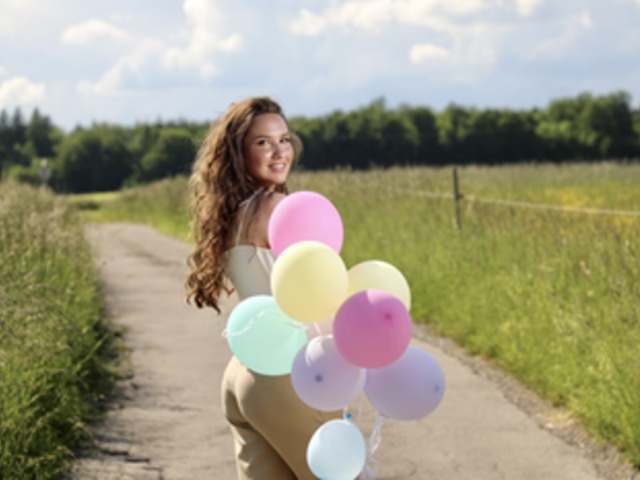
x,y
162,204
550,296
52,364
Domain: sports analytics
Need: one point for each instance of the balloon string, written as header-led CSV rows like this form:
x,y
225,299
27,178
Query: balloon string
x,y
286,320
370,470
360,410
317,327
348,416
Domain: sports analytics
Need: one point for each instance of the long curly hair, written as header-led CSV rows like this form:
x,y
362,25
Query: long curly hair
x,y
219,184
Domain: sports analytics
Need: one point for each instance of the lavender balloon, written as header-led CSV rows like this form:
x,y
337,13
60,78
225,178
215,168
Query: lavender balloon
x,y
322,378
408,389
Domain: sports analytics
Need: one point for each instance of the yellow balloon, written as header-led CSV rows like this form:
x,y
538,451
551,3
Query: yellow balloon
x,y
309,281
379,275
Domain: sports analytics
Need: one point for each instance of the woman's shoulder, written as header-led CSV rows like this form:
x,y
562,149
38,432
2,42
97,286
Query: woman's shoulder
x,y
266,206
269,201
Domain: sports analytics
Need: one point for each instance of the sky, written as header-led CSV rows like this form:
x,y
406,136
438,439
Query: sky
x,y
135,61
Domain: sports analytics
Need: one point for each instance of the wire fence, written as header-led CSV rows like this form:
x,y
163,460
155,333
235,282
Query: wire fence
x,y
457,197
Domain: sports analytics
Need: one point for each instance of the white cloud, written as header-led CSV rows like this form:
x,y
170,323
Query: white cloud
x,y
585,19
375,14
18,90
205,19
232,43
122,17
140,67
31,21
573,29
28,5
427,51
156,63
94,30
525,8
471,28
310,24
367,15
185,57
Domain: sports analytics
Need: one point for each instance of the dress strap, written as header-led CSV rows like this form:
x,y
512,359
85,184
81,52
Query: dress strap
x,y
244,206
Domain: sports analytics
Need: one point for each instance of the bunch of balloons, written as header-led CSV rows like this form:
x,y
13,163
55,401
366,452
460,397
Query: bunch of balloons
x,y
363,312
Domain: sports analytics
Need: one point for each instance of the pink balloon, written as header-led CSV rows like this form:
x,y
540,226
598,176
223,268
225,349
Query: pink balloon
x,y
305,216
372,328
323,379
408,389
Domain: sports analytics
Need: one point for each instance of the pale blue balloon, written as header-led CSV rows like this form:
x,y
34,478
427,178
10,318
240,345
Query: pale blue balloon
x,y
336,451
263,337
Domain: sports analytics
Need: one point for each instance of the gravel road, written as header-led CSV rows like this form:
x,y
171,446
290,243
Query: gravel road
x,y
164,420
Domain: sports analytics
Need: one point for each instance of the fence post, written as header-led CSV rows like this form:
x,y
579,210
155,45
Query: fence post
x,y
456,197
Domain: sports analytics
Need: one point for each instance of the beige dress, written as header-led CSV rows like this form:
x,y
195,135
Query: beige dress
x,y
271,426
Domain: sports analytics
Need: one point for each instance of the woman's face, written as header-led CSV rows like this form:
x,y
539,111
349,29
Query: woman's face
x,y
267,150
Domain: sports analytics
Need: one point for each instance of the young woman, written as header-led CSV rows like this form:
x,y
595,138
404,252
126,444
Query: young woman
x,y
238,178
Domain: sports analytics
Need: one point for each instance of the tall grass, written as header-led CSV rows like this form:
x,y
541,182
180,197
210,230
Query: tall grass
x,y
51,363
552,297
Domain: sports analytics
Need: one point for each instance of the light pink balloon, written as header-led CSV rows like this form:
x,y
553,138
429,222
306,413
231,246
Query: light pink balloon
x,y
408,389
372,328
305,216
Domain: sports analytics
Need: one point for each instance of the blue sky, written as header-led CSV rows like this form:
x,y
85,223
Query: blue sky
x,y
130,61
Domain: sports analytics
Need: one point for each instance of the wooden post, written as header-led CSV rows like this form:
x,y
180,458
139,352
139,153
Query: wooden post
x,y
456,197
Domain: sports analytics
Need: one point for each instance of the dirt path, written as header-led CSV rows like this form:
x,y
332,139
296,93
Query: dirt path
x,y
165,421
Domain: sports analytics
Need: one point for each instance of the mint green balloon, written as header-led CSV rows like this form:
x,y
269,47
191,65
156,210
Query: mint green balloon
x,y
263,337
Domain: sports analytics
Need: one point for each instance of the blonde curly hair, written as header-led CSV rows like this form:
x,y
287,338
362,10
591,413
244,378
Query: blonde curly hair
x,y
220,183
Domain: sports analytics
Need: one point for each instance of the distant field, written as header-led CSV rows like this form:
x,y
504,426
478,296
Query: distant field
x,y
163,204
552,297
93,201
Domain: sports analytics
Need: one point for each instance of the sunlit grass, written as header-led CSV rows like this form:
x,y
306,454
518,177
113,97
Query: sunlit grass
x,y
52,365
550,296
163,205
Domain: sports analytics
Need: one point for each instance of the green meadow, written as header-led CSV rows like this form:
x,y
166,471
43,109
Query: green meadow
x,y
550,296
53,367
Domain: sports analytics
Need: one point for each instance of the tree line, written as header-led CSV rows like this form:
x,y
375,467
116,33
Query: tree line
x,y
107,157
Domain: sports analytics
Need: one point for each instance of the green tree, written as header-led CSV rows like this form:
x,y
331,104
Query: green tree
x,y
588,127
500,136
5,144
92,160
18,127
172,154
452,124
310,133
400,140
605,126
12,140
40,133
141,140
366,129
429,151
556,128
